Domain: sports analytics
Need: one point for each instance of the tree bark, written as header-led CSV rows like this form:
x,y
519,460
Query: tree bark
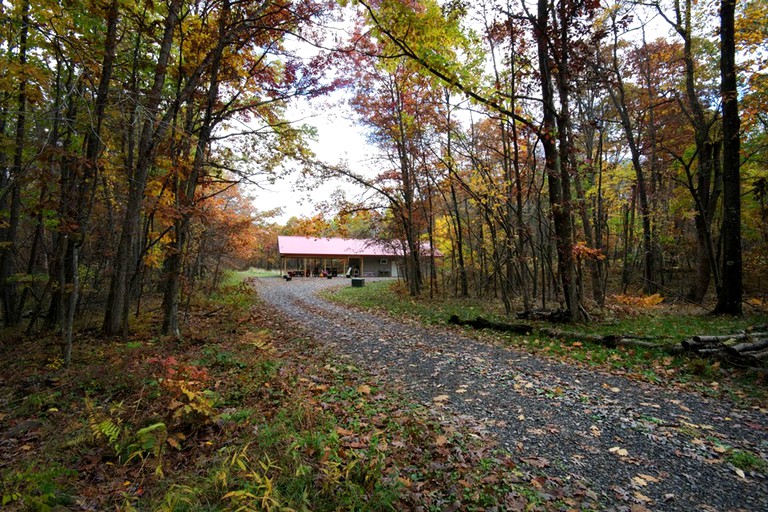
x,y
11,186
730,291
557,176
187,200
706,190
618,98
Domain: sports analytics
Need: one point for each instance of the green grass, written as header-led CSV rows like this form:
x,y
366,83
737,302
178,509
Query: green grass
x,y
653,323
392,297
662,325
746,460
235,277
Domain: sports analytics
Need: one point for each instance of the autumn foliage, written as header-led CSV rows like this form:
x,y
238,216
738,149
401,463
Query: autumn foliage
x,y
123,132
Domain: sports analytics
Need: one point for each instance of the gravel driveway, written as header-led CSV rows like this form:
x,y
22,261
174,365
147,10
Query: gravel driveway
x,y
631,442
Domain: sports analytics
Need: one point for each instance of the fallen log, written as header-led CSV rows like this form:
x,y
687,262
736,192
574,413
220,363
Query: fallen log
x,y
483,323
689,344
750,346
756,356
632,342
695,346
709,351
553,316
728,337
609,340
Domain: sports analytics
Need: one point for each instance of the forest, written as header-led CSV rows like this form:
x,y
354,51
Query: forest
x,y
556,153
560,156
592,162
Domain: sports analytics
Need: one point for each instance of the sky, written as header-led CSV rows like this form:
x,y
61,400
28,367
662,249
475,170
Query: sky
x,y
338,139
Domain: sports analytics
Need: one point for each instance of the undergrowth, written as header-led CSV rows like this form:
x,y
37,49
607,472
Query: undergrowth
x,y
239,414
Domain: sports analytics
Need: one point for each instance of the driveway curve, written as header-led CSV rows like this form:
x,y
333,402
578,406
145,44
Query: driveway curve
x,y
632,443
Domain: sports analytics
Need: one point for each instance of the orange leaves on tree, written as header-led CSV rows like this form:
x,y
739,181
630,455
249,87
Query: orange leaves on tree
x,y
582,252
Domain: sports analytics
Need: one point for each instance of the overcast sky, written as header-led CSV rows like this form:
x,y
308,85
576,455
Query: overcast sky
x,y
339,139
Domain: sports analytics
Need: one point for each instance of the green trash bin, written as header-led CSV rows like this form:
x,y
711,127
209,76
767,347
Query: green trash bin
x,y
358,282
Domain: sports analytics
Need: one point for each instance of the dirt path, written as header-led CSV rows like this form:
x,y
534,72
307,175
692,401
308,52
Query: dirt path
x,y
631,442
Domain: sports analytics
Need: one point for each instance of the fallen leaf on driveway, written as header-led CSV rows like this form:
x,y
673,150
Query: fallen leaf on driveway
x,y
639,481
619,451
641,497
441,398
537,462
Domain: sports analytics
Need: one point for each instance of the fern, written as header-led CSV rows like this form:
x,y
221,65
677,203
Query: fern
x,y
109,429
79,439
179,497
127,446
103,426
260,340
149,440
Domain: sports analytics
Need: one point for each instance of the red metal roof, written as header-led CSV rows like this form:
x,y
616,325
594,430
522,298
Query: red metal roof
x,y
333,247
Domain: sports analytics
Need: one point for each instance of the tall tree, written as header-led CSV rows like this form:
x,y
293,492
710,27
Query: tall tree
x,y
153,127
10,180
705,182
617,90
730,292
552,29
397,23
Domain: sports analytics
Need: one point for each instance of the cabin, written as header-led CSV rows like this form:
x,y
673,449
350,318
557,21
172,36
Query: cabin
x,y
302,256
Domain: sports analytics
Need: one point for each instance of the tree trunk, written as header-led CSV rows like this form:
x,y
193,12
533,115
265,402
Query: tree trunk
x,y
557,175
12,185
458,232
706,191
116,315
84,182
618,98
463,281
730,290
629,239
187,201
522,232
